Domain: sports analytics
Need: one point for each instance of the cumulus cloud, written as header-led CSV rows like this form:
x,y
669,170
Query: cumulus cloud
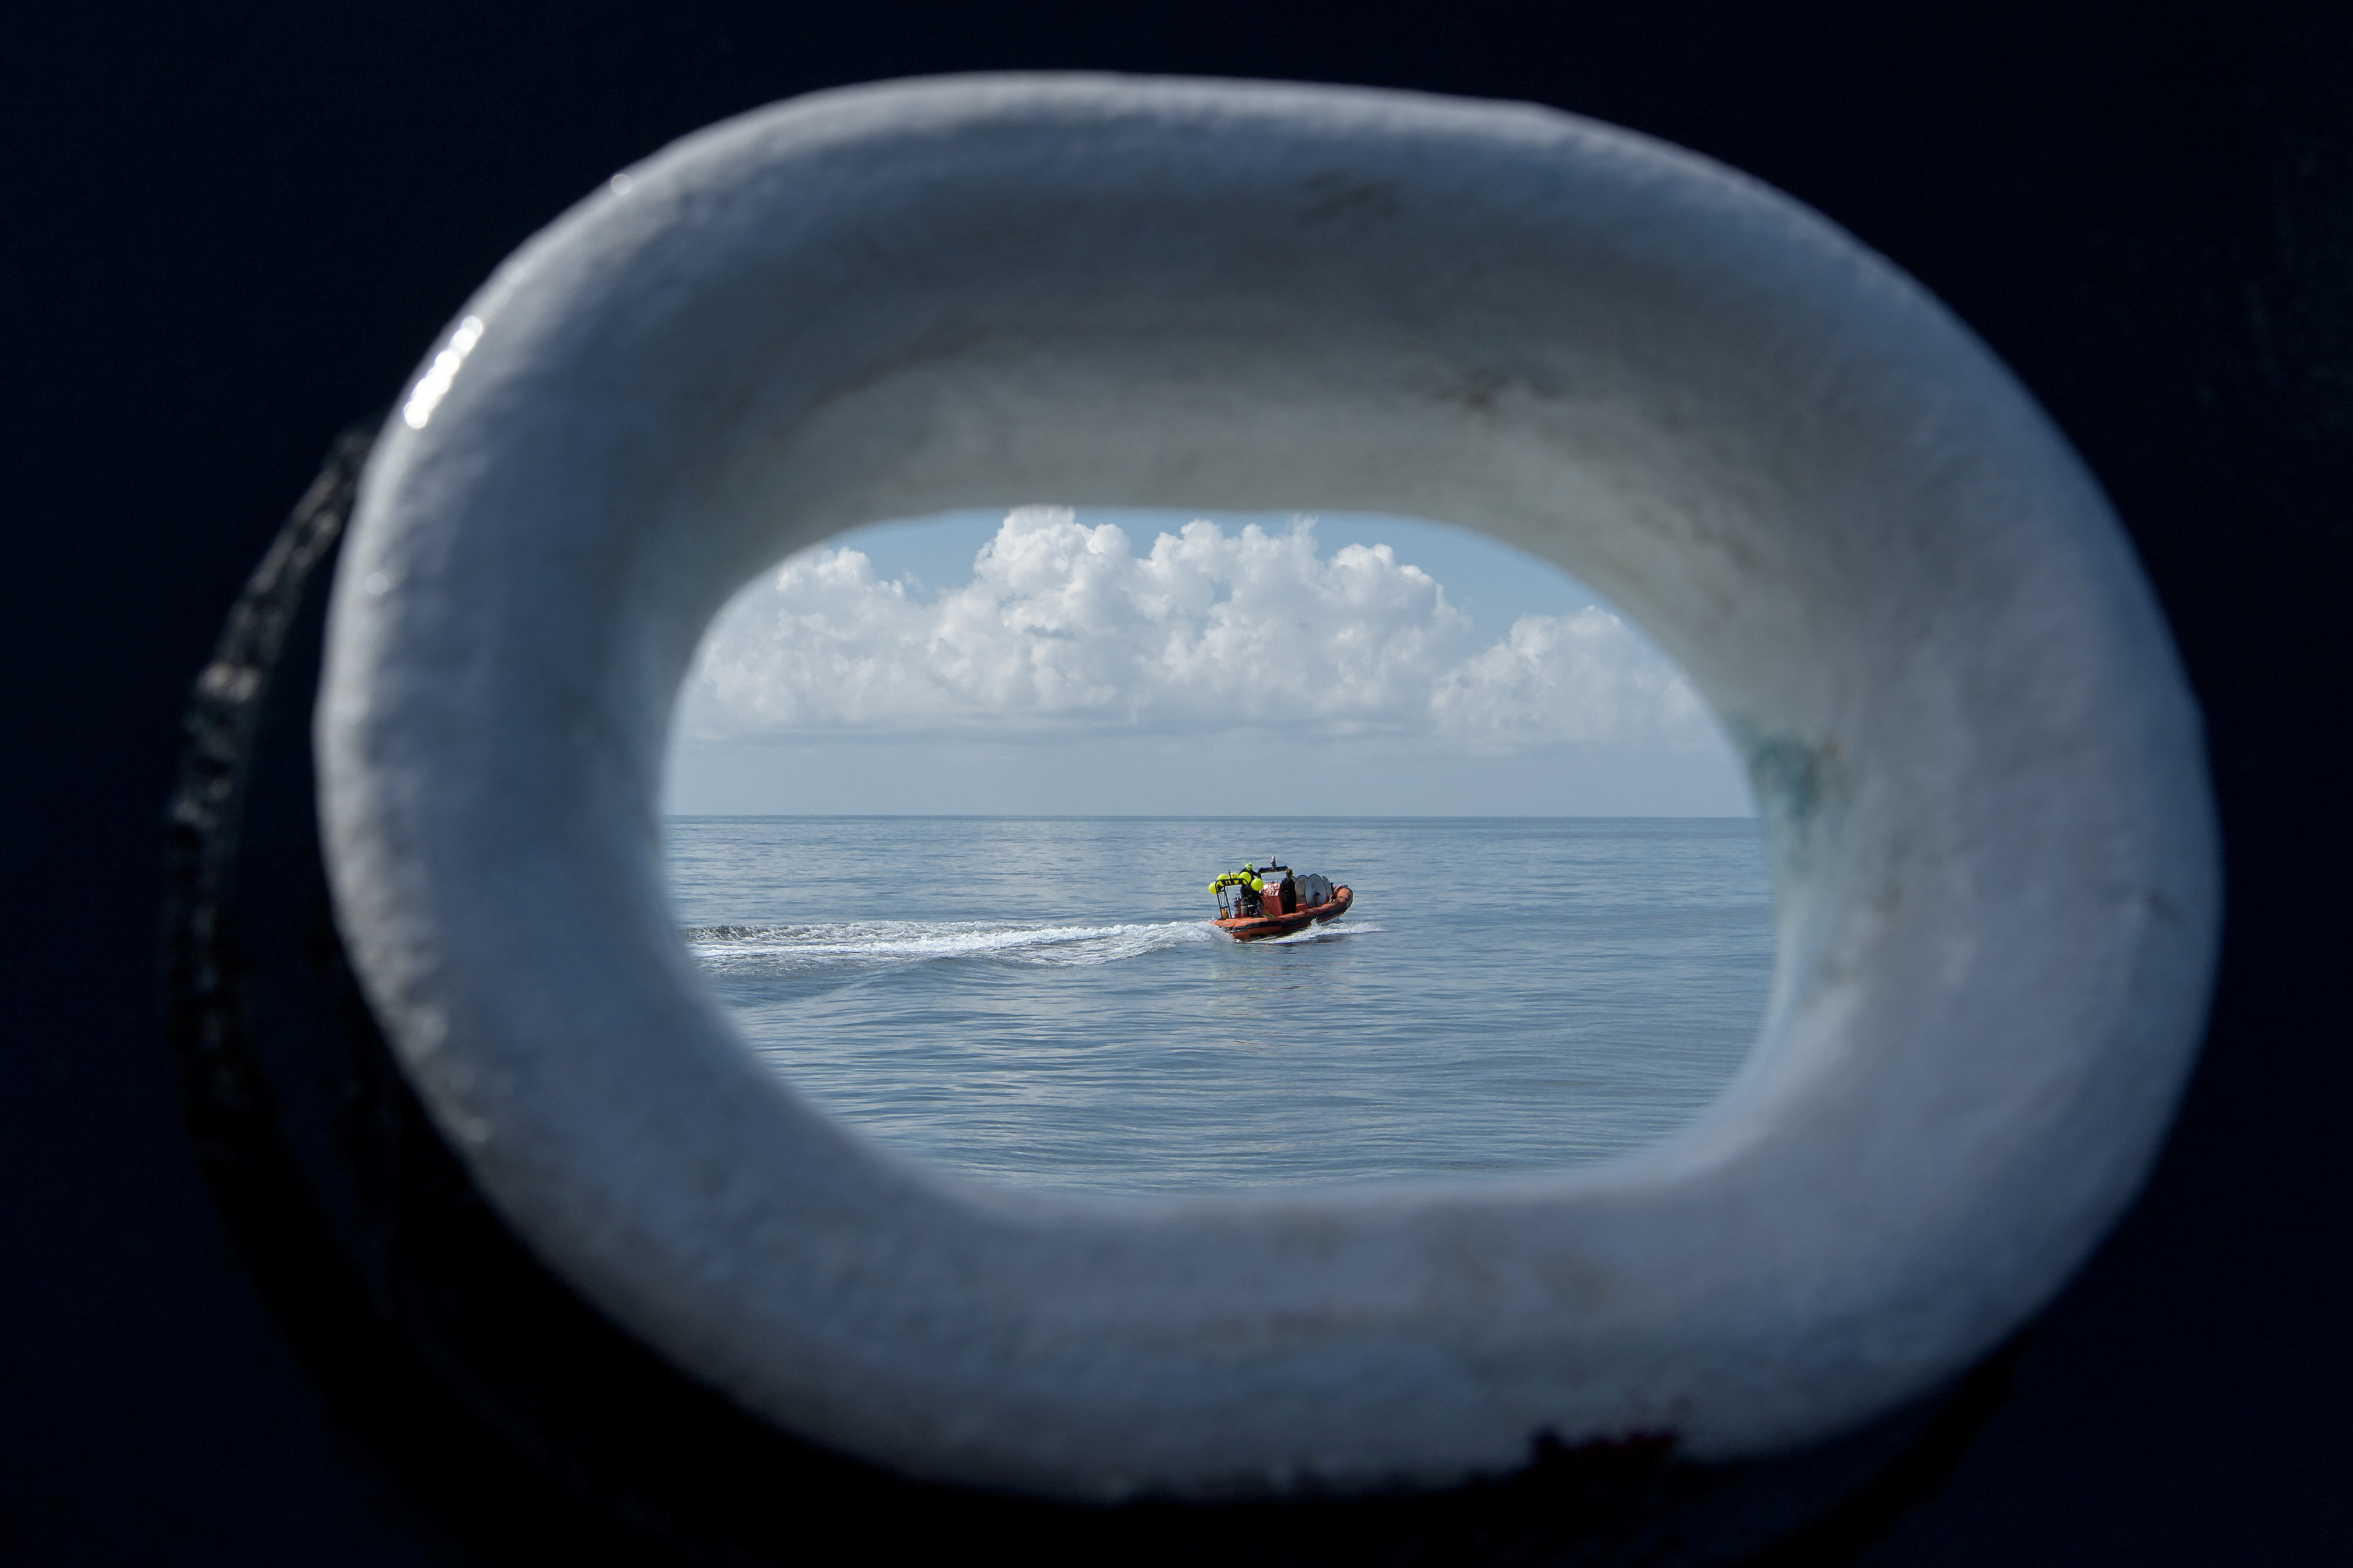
x,y
1066,629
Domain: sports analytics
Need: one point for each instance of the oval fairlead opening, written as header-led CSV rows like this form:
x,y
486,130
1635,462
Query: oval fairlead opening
x,y
1521,979
1998,872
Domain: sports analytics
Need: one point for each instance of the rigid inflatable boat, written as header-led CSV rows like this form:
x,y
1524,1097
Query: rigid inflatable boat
x,y
1272,900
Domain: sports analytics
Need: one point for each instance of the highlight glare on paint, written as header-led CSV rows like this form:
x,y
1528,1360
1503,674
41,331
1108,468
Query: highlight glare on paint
x,y
434,385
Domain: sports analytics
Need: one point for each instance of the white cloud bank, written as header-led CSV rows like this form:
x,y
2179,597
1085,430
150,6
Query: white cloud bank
x,y
1065,630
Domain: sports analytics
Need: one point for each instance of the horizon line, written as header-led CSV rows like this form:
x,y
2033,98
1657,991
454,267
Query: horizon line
x,y
1191,817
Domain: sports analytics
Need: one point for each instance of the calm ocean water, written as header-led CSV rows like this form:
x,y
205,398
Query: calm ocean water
x,y
1042,1002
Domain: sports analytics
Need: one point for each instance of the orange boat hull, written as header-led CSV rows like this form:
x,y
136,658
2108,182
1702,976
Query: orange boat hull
x,y
1257,927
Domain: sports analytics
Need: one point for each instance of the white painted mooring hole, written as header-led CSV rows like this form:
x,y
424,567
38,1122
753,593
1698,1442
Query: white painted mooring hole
x,y
1999,877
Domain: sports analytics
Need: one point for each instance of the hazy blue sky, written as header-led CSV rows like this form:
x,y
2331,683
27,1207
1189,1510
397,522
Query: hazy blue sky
x,y
1141,662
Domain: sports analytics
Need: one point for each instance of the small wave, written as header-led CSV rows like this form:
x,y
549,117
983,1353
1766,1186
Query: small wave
x,y
1333,932
785,949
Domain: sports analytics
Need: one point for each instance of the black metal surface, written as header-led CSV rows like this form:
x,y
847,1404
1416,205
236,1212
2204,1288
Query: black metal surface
x,y
229,226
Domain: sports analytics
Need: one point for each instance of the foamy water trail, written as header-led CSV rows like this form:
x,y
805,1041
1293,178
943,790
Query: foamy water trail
x,y
1333,932
853,944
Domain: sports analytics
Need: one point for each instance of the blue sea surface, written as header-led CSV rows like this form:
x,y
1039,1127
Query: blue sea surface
x,y
1042,1002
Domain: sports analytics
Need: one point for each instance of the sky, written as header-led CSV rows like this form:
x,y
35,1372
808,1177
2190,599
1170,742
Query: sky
x,y
1123,662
